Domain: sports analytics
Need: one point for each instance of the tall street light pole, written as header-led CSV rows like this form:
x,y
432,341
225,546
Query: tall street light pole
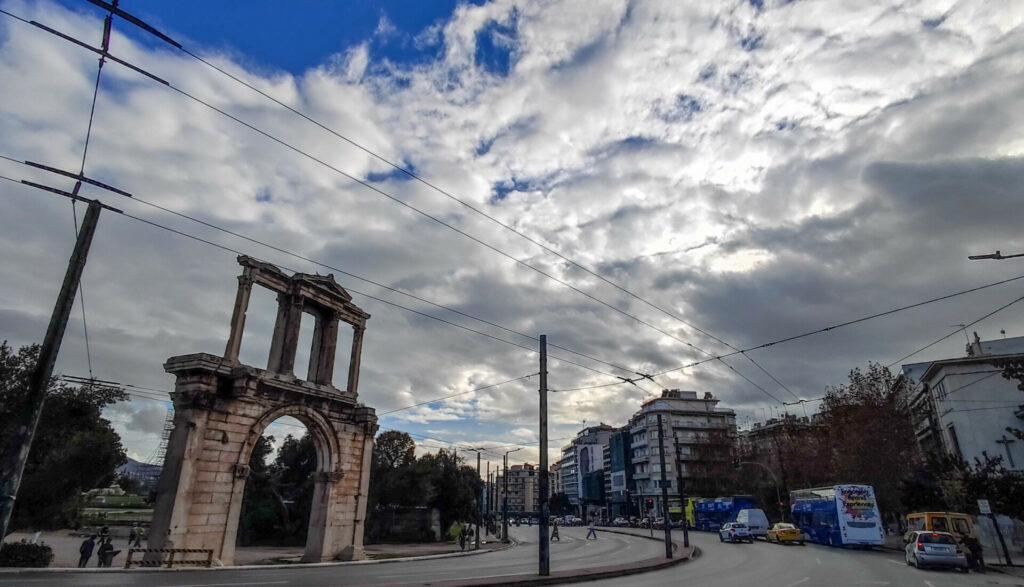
x,y
504,501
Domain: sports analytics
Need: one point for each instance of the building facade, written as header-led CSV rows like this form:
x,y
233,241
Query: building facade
x,y
523,490
699,441
962,406
581,469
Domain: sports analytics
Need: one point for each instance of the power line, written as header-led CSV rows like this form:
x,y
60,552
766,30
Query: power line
x,y
412,175
455,395
837,326
387,195
940,339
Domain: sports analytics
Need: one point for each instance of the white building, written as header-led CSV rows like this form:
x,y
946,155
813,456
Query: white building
x,y
581,457
963,406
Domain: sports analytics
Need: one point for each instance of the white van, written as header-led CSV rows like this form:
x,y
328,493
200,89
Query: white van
x,y
756,520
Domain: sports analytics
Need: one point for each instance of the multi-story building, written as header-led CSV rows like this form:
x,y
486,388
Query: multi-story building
x,y
523,490
962,406
554,480
618,478
699,440
581,468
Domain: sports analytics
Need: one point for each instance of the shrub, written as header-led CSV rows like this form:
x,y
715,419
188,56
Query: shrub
x,y
23,554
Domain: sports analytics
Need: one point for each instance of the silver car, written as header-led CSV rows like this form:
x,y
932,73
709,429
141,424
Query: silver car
x,y
735,532
935,549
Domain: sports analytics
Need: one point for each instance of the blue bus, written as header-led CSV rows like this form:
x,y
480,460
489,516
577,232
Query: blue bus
x,y
841,515
710,514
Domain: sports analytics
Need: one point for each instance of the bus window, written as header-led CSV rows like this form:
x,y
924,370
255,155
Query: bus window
x,y
916,523
960,526
940,524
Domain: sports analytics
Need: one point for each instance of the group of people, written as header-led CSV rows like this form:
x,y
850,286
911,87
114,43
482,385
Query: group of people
x,y
591,531
105,553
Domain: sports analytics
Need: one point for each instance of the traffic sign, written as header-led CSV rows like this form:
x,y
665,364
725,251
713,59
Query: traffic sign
x,y
983,506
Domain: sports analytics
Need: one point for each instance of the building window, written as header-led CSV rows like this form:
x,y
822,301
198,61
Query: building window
x,y
954,442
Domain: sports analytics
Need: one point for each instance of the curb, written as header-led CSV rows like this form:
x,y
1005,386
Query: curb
x,y
576,575
94,570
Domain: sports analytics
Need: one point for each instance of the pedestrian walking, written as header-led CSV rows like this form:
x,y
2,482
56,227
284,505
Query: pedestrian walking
x,y
133,534
591,531
101,554
463,535
85,550
554,532
140,535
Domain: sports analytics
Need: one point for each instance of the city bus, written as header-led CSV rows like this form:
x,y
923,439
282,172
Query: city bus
x,y
841,515
710,514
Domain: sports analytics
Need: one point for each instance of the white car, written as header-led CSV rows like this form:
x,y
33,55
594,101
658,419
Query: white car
x,y
936,549
620,521
735,532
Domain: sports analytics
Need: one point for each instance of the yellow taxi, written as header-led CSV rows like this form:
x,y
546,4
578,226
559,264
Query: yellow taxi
x,y
783,532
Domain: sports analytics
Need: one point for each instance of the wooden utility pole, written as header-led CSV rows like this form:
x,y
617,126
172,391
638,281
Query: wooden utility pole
x,y
664,492
27,418
545,547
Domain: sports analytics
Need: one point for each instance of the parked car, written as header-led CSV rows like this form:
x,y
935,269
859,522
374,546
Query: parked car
x,y
620,521
935,549
783,533
641,522
735,532
756,521
959,525
659,523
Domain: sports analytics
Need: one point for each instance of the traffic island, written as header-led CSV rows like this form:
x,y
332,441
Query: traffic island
x,y
681,554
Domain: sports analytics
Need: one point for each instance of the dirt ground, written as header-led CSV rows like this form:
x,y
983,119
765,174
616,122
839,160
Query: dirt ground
x,y
65,550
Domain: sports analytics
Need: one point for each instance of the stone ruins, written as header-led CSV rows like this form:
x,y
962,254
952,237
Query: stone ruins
x,y
221,407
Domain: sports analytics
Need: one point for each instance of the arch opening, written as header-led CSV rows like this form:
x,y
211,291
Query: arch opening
x,y
279,490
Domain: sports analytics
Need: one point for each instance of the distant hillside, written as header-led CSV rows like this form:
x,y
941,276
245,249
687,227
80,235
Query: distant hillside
x,y
146,474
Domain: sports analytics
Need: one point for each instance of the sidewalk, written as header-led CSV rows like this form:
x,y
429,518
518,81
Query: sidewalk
x,y
65,550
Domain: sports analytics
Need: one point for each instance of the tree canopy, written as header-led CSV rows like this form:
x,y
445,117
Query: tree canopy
x,y
75,449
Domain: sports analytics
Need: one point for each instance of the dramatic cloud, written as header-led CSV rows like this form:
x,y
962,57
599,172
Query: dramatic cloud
x,y
756,169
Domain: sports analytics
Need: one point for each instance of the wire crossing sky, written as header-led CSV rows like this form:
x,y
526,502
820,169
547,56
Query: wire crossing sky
x,y
757,169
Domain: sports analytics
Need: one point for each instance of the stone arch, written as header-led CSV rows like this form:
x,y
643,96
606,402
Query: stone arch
x,y
221,407
325,438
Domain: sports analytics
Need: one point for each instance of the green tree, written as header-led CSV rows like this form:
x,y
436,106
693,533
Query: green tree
x,y
1014,370
559,504
870,437
75,449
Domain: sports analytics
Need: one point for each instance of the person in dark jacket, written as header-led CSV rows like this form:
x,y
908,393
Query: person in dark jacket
x,y
85,550
102,555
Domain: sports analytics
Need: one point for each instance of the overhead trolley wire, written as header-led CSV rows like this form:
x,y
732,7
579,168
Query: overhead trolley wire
x,y
367,185
940,339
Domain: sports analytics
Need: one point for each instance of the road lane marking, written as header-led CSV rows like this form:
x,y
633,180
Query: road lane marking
x,y
929,584
228,584
804,580
889,560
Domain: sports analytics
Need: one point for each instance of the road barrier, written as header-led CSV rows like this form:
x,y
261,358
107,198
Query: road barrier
x,y
175,556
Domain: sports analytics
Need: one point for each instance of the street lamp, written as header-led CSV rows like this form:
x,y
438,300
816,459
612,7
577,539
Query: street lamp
x,y
504,501
998,256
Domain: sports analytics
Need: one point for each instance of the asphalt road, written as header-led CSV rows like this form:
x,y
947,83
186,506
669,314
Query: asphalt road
x,y
772,565
572,552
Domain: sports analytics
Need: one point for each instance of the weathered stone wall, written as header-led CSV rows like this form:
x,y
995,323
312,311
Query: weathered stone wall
x,y
212,441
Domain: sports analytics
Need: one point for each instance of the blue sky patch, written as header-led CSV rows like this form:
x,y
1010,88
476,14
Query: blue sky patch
x,y
391,174
752,42
264,195
495,46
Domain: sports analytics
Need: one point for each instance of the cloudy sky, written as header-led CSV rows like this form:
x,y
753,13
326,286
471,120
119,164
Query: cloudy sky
x,y
755,169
